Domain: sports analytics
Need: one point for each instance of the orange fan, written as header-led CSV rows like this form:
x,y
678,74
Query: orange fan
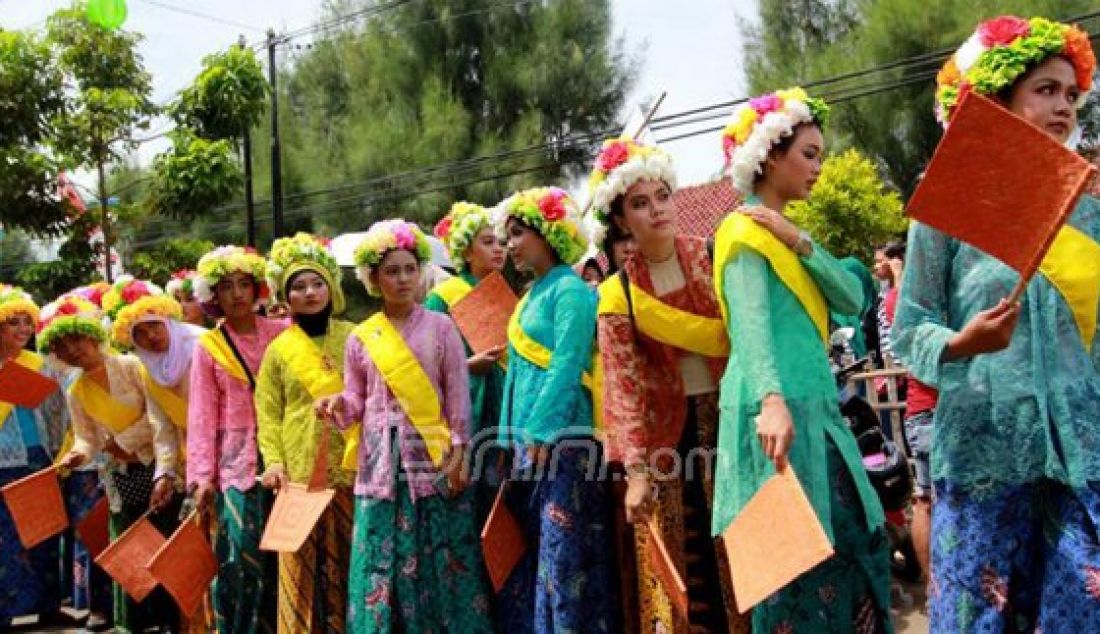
x,y
36,506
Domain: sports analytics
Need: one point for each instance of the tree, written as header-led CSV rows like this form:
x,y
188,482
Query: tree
x,y
193,177
107,100
15,253
160,262
895,127
226,99
73,267
788,35
850,210
439,81
31,97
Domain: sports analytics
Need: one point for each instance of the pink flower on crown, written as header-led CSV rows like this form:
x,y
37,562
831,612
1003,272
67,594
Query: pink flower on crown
x,y
552,207
728,146
67,308
134,291
443,228
403,237
1002,31
612,156
765,104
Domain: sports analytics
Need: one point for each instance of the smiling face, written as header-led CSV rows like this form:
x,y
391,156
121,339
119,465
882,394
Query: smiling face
x,y
792,169
15,332
307,294
486,253
396,277
151,336
1046,96
648,213
236,295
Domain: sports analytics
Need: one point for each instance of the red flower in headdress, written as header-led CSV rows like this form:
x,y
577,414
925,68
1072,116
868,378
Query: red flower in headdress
x,y
443,227
612,156
552,207
1002,31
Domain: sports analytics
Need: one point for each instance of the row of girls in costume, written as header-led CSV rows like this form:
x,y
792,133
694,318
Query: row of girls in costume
x,y
119,434
716,375
30,439
416,561
1014,457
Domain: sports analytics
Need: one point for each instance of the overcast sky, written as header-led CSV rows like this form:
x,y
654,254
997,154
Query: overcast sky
x,y
691,48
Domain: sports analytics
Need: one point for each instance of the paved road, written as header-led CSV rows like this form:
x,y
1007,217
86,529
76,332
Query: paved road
x,y
908,616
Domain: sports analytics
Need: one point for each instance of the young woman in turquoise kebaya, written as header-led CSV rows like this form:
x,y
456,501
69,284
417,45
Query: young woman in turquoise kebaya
x,y
563,582
778,401
1015,454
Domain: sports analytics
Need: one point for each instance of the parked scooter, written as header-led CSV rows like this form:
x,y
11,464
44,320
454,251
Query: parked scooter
x,y
885,464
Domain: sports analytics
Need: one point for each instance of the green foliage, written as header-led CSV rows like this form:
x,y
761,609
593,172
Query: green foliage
x,y
73,267
227,98
438,81
111,89
160,262
193,177
850,210
15,253
895,128
31,97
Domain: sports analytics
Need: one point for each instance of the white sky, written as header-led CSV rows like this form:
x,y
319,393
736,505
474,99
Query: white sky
x,y
691,48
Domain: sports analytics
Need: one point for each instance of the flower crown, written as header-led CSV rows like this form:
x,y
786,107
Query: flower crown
x,y
131,299
621,163
759,124
223,261
92,292
1003,49
302,248
14,300
183,282
551,212
460,227
69,314
385,236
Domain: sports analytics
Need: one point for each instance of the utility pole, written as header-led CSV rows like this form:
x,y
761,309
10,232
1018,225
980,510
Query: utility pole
x,y
246,149
276,158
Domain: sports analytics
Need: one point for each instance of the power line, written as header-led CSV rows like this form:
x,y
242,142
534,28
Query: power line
x,y
410,180
202,16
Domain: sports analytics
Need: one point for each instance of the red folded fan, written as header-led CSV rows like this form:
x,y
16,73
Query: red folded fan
x,y
24,387
482,316
185,565
1000,184
502,542
36,507
127,557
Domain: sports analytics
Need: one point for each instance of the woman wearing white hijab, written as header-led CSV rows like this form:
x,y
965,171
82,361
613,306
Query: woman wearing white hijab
x,y
147,320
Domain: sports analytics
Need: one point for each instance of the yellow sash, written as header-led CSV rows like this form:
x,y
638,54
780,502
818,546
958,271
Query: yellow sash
x,y
28,360
452,290
66,445
307,363
666,324
213,341
1072,265
739,231
167,399
102,407
540,355
407,380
